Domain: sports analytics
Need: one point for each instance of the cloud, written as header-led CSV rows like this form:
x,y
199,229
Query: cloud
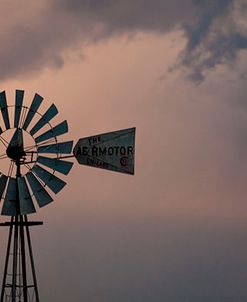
x,y
215,30
37,37
123,16
216,38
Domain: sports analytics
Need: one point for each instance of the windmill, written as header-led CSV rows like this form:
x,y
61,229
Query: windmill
x,y
36,162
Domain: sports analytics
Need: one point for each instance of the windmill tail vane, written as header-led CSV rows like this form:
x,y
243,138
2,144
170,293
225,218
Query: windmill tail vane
x,y
35,164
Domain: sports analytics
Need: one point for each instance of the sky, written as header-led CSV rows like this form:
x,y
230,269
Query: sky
x,y
176,70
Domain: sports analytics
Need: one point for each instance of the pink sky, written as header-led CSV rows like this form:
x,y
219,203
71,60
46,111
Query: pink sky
x,y
176,230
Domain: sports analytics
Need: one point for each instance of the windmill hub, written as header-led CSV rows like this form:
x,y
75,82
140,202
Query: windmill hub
x,y
15,149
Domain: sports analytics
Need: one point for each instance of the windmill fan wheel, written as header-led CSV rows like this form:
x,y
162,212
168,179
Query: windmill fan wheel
x,y
38,163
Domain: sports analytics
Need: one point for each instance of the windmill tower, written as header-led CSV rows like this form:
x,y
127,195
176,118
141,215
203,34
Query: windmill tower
x,y
35,155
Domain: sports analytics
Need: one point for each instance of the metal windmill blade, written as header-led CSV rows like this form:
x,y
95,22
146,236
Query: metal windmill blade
x,y
26,202
50,113
3,183
4,109
19,95
37,181
60,129
54,183
58,148
10,207
37,100
42,196
59,165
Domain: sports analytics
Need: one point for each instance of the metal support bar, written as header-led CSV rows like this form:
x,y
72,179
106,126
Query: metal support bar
x,y
29,223
34,161
14,268
65,156
23,260
32,261
7,258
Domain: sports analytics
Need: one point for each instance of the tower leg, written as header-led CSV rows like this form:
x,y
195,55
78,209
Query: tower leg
x,y
31,260
23,260
17,287
7,259
15,263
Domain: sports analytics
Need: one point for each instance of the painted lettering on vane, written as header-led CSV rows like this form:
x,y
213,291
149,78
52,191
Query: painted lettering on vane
x,y
124,161
94,140
82,150
97,163
112,151
98,151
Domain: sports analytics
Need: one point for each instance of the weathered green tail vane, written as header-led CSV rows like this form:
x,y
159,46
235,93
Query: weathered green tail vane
x,y
113,151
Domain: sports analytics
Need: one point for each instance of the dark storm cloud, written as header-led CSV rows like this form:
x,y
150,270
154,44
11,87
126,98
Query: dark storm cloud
x,y
216,37
214,29
25,51
121,16
40,37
